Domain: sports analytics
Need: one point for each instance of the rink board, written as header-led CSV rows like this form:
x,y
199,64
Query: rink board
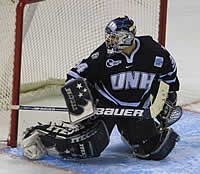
x,y
117,158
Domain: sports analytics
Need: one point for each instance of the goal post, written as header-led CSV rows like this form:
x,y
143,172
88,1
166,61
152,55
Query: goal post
x,y
12,141
162,21
44,39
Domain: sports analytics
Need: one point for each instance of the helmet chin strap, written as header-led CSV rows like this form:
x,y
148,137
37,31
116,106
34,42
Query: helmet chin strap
x,y
129,50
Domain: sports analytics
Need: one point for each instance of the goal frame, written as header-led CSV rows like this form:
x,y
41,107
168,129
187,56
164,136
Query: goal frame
x,y
12,141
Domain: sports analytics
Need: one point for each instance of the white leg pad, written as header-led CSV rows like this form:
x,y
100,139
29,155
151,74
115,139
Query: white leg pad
x,y
32,147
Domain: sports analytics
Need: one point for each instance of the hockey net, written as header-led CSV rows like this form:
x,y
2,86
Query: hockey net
x,y
56,35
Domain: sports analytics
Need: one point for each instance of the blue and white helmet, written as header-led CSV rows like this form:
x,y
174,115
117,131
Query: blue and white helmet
x,y
119,34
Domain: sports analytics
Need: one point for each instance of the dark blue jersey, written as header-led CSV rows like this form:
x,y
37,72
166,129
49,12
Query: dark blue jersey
x,y
127,80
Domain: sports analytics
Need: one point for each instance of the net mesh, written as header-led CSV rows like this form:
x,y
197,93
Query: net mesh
x,y
70,32
57,34
7,37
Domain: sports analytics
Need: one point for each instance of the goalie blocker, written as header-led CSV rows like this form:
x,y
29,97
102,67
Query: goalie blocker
x,y
79,100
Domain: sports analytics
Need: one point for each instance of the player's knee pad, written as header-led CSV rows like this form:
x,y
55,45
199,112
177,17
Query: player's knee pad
x,y
160,148
74,141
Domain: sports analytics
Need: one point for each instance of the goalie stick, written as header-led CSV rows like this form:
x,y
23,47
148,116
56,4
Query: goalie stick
x,y
38,108
106,112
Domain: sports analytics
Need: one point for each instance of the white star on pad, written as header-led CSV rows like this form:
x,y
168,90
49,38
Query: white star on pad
x,y
84,90
80,95
79,86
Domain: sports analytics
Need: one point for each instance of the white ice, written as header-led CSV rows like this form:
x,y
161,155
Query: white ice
x,y
183,39
12,165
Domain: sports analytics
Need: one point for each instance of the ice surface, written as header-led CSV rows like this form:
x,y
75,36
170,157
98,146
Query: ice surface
x,y
183,38
118,159
12,165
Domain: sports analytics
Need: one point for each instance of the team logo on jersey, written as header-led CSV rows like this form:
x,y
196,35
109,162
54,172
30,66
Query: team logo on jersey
x,y
129,66
95,55
110,63
131,80
158,62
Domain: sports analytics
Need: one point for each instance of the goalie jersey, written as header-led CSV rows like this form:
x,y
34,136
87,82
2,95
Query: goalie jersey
x,y
125,80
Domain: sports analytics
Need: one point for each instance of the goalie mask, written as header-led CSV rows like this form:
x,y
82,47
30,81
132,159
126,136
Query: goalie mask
x,y
119,34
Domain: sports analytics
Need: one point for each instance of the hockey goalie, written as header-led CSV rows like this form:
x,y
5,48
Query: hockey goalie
x,y
118,84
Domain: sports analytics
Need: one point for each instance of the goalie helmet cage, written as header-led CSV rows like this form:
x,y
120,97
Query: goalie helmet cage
x,y
73,29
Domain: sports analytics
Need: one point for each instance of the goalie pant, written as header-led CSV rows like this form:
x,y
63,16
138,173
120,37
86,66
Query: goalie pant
x,y
68,141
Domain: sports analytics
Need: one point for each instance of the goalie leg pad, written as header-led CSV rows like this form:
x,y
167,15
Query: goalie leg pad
x,y
166,143
32,147
88,143
84,140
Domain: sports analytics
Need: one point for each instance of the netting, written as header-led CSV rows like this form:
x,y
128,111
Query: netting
x,y
57,34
